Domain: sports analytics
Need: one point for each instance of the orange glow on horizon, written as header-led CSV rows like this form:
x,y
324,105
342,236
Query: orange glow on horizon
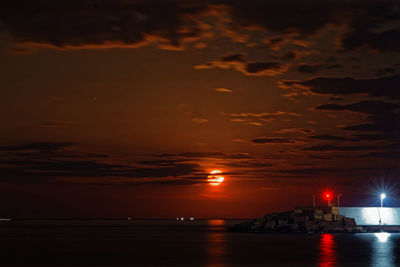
x,y
215,180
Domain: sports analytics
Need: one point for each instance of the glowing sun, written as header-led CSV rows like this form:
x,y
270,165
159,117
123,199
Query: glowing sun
x,y
214,178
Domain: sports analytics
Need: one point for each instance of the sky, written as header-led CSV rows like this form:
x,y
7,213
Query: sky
x,y
123,108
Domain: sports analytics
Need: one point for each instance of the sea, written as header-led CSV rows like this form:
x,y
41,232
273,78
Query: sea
x,y
174,242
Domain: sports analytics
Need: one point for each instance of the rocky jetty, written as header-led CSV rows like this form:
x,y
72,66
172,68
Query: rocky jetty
x,y
302,219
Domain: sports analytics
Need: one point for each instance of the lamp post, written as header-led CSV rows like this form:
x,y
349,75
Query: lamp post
x,y
383,195
328,196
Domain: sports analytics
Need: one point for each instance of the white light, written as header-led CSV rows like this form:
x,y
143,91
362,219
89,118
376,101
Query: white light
x,y
371,216
382,237
383,196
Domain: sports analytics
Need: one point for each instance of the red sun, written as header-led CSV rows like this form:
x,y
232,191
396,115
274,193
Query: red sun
x,y
215,179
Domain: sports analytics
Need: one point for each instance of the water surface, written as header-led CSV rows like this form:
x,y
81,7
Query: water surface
x,y
184,243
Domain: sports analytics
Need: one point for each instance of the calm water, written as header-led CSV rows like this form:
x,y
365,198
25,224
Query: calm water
x,y
187,243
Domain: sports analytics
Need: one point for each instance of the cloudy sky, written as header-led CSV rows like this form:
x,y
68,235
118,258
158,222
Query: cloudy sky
x,y
122,108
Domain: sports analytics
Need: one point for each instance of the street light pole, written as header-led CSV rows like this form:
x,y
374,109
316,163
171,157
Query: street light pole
x,y
328,197
382,197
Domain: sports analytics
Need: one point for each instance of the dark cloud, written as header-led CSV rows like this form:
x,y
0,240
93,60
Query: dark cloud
x,y
379,87
322,157
264,68
48,162
308,171
387,123
175,182
271,140
383,116
295,130
233,57
237,61
78,24
330,60
308,68
387,147
305,17
385,71
335,98
371,137
175,170
383,42
383,154
47,168
249,164
164,162
169,24
333,66
352,138
377,28
315,67
367,107
205,155
353,59
328,148
291,55
372,24
328,137
41,146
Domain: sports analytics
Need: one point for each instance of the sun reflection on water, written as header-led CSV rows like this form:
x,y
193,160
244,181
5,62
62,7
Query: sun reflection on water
x,y
327,251
216,249
216,222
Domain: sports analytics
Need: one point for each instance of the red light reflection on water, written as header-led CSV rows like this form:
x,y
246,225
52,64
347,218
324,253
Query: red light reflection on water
x,y
327,256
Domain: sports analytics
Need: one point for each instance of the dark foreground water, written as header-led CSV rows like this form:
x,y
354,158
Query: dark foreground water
x,y
184,243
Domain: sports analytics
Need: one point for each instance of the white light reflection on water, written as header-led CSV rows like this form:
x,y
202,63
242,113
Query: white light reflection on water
x,y
382,237
382,251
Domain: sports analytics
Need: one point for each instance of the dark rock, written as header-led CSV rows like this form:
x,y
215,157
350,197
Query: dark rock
x,y
313,227
294,227
328,217
307,219
241,227
270,225
258,224
349,222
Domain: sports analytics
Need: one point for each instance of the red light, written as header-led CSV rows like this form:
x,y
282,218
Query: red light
x,y
328,195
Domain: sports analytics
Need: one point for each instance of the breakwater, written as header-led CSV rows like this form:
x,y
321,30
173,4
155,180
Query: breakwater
x,y
301,219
